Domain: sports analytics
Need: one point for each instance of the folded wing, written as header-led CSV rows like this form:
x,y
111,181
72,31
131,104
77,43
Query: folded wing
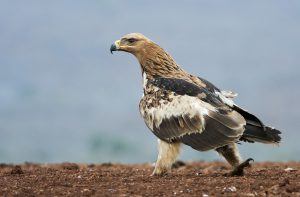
x,y
190,114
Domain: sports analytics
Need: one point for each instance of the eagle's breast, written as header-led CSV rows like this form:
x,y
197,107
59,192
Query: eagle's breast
x,y
169,115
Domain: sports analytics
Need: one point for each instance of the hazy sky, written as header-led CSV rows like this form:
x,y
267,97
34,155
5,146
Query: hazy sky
x,y
64,97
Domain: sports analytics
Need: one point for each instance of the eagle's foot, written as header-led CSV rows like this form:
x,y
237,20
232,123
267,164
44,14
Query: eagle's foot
x,y
239,170
159,172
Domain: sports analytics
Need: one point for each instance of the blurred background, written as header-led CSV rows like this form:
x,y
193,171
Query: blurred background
x,y
64,97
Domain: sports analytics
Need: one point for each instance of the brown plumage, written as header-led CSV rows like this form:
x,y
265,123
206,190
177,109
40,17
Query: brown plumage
x,y
153,59
181,108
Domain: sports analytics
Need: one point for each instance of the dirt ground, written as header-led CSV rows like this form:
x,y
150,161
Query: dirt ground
x,y
191,179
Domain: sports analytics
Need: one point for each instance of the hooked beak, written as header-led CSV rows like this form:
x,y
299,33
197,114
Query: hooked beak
x,y
115,46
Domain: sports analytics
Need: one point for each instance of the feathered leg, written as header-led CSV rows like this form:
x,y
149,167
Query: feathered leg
x,y
231,153
167,154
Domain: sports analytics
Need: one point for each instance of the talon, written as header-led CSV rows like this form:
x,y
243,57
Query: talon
x,y
155,174
178,164
239,170
159,172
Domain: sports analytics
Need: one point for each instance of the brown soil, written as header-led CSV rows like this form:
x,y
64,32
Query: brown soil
x,y
192,179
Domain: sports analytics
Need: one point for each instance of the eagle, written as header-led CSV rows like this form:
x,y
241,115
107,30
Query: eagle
x,y
180,108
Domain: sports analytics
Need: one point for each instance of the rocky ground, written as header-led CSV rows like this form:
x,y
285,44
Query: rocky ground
x,y
191,179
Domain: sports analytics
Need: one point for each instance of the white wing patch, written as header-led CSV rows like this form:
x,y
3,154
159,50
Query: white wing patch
x,y
227,100
179,106
229,94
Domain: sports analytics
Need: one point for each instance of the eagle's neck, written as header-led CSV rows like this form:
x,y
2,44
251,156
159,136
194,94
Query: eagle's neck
x,y
155,62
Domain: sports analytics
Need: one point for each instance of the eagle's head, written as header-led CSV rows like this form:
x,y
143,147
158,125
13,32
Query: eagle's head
x,y
152,58
133,43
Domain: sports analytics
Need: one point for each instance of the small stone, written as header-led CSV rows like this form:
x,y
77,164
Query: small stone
x,y
69,166
290,169
284,183
230,189
91,165
233,189
107,164
17,170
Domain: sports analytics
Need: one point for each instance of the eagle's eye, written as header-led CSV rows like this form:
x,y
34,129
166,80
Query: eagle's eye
x,y
131,40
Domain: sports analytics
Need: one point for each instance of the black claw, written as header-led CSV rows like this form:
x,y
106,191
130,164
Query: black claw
x,y
246,163
239,170
250,160
178,164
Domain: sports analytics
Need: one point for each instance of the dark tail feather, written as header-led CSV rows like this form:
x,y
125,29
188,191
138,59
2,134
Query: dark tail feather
x,y
266,135
256,131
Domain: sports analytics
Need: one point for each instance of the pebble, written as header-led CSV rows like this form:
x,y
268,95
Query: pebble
x,y
230,189
290,169
69,166
17,170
